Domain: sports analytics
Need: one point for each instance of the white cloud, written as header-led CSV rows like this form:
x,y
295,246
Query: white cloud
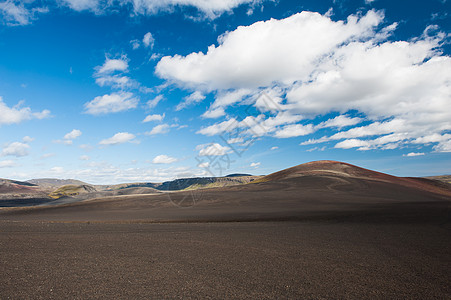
x,y
443,146
148,40
164,159
214,113
112,103
24,13
340,122
316,149
219,127
111,74
154,102
255,165
294,130
7,164
225,99
213,149
194,98
18,14
85,157
235,140
210,8
118,138
274,148
292,46
17,114
151,118
116,81
75,133
80,5
411,154
27,139
155,56
159,129
204,165
15,14
353,143
313,66
135,44
112,65
17,149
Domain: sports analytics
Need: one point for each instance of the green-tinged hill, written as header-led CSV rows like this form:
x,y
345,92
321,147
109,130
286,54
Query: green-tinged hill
x,y
54,182
71,191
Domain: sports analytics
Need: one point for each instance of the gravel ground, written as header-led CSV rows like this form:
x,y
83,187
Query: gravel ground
x,y
236,260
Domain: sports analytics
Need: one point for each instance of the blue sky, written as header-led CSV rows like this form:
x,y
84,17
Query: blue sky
x,y
124,91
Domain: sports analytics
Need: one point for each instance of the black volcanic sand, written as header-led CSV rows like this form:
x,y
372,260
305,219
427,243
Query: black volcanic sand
x,y
25,202
241,260
310,237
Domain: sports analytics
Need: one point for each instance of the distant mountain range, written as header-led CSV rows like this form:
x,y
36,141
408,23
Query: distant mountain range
x,y
58,191
310,190
47,190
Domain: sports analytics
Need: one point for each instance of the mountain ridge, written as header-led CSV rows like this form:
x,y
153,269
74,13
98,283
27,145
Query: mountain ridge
x,y
335,175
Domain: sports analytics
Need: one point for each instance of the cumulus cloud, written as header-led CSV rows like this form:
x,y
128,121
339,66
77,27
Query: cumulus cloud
x,y
17,149
266,52
411,154
112,65
255,165
294,130
159,129
214,113
194,98
151,118
352,143
340,122
111,73
164,159
111,103
148,40
118,138
69,138
312,66
75,133
219,127
27,139
17,113
213,149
